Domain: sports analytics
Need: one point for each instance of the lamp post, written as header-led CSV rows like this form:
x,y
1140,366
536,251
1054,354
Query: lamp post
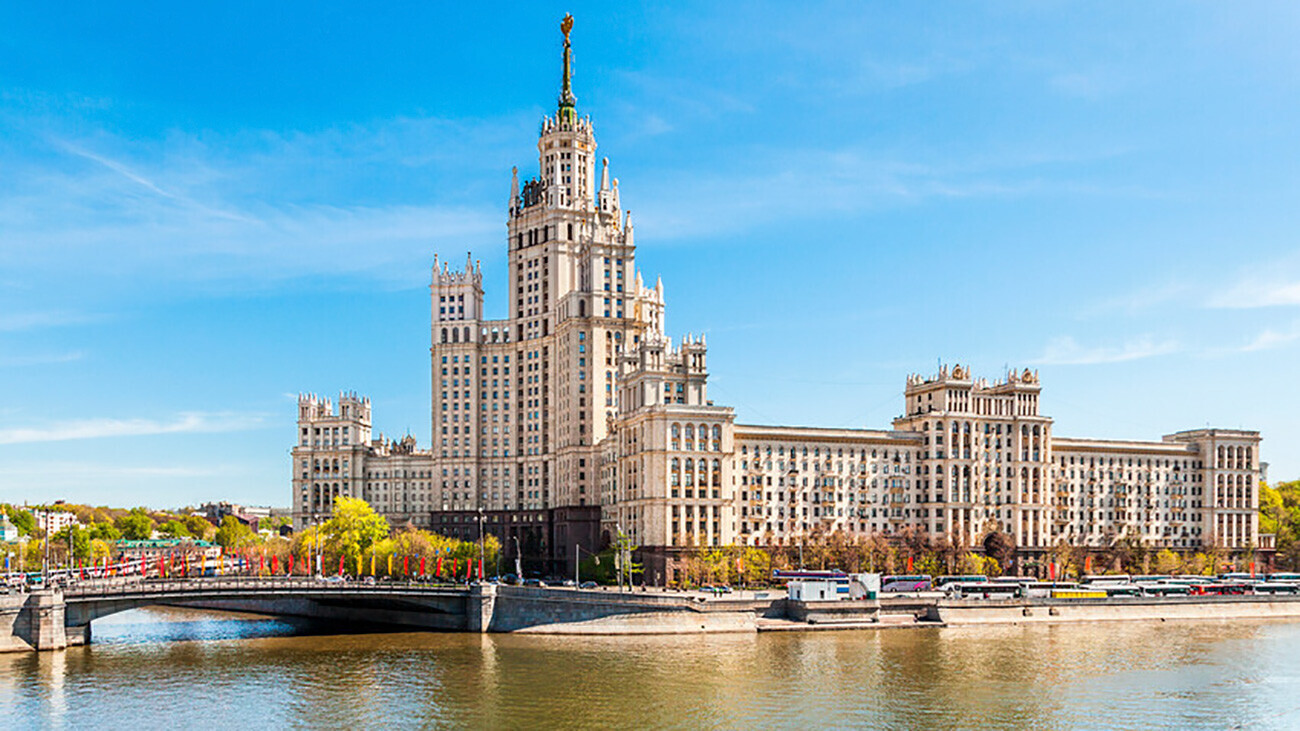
x,y
481,518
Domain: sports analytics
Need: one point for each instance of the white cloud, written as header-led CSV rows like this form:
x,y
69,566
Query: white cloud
x,y
185,423
17,321
40,359
807,183
1270,338
253,209
1252,293
1066,350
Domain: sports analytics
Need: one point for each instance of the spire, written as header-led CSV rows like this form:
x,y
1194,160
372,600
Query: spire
x,y
514,188
604,174
567,112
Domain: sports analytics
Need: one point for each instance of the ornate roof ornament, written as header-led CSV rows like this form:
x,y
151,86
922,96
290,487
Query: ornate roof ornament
x,y
567,112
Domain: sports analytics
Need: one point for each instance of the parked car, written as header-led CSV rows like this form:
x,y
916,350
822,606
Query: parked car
x,y
533,582
587,585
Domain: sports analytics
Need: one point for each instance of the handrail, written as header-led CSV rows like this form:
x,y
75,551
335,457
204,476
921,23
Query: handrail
x,y
135,585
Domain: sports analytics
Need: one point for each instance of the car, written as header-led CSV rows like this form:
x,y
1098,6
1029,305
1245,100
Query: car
x,y
510,580
587,585
369,580
568,582
533,582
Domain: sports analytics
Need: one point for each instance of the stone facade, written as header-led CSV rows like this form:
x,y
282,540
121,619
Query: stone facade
x,y
575,419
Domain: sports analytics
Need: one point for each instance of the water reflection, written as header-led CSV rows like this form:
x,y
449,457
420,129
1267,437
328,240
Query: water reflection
x,y
143,672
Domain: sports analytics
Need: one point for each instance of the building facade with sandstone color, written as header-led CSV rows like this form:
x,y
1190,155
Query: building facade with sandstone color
x,y
576,418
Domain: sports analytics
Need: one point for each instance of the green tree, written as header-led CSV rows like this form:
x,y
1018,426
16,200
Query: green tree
x,y
105,532
77,541
24,521
198,526
135,525
353,528
233,534
174,529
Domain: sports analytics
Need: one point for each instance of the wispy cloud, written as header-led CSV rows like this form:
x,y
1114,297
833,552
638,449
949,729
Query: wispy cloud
x,y
805,183
40,359
1066,350
16,321
1272,338
1252,293
258,208
186,423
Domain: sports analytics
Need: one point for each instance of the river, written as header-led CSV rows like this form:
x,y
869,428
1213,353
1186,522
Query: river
x,y
165,668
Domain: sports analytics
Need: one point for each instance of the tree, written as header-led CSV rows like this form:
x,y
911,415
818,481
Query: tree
x,y
354,527
104,532
24,521
1167,562
1000,546
77,541
174,529
198,526
233,534
135,525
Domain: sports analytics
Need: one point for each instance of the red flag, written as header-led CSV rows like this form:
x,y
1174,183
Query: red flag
x,y
1087,564
162,565
454,564
290,564
261,563
480,569
275,564
1252,568
439,571
1051,571
340,565
406,565
422,566
909,564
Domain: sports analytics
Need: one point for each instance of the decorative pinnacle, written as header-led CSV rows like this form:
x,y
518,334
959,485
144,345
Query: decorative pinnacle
x,y
567,113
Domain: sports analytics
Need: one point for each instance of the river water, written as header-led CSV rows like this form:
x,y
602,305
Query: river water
x,y
169,667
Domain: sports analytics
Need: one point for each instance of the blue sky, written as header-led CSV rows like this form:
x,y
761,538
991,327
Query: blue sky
x,y
207,209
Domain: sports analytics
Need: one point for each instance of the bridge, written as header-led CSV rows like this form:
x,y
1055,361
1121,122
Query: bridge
x,y
53,619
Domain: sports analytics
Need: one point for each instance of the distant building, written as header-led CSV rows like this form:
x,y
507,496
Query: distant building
x,y
249,515
53,520
8,531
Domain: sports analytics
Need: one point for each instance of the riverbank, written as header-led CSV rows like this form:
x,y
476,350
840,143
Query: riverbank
x,y
52,620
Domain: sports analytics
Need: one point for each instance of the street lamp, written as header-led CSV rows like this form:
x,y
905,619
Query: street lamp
x,y
481,518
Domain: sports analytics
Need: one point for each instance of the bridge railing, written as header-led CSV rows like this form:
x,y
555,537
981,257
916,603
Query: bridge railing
x,y
137,585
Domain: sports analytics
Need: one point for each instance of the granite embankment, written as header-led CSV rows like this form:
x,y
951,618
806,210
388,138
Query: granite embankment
x,y
49,620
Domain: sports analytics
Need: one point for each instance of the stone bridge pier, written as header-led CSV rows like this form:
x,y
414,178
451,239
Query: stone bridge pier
x,y
35,621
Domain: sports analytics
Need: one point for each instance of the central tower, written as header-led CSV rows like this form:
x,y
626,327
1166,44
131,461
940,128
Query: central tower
x,y
521,403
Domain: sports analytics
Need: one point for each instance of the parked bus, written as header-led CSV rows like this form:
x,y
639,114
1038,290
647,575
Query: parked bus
x,y
905,583
944,582
1108,579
